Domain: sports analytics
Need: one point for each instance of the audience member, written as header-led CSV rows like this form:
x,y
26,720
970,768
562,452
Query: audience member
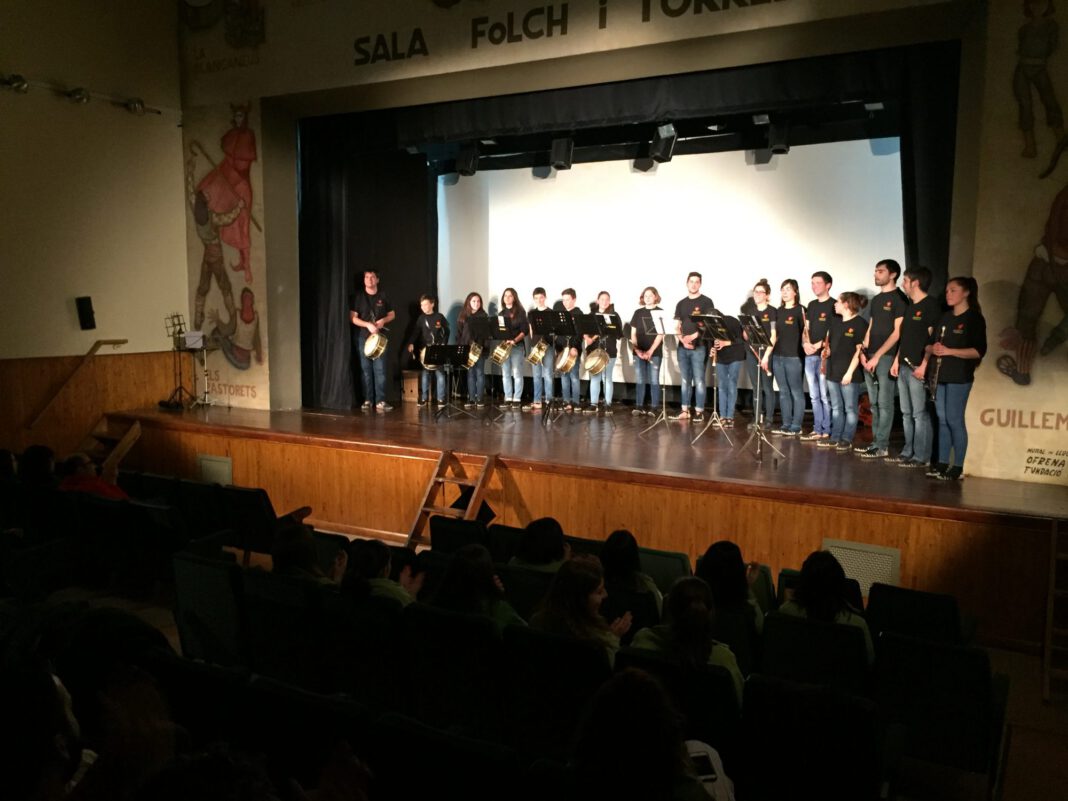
x,y
80,474
630,745
573,605
541,546
686,633
726,573
294,554
820,595
470,586
370,560
622,567
37,467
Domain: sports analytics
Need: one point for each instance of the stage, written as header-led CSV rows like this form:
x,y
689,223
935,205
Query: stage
x,y
364,473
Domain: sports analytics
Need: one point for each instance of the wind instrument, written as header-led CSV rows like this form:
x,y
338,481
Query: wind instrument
x,y
932,387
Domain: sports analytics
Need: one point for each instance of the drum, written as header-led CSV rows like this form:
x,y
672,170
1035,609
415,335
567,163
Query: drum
x,y
595,361
422,361
375,345
565,361
473,355
537,353
502,352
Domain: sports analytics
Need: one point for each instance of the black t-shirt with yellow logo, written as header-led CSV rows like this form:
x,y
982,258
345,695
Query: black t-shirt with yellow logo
x,y
789,325
819,314
916,328
885,308
687,306
966,330
845,336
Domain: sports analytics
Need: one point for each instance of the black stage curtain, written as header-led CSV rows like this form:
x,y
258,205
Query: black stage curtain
x,y
366,202
362,204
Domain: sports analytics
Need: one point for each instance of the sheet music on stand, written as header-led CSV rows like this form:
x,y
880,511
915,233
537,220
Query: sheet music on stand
x,y
483,329
660,324
449,358
712,327
759,339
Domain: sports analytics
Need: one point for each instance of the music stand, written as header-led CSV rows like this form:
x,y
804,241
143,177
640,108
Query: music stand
x,y
562,326
601,326
657,324
758,339
449,358
712,327
483,329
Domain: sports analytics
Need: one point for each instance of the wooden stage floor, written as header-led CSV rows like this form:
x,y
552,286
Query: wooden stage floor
x,y
614,448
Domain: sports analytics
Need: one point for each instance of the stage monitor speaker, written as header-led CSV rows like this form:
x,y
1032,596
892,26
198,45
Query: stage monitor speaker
x,y
561,153
467,160
86,318
663,144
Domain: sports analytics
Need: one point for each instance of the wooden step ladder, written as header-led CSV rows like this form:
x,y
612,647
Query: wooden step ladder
x,y
435,501
1055,650
108,443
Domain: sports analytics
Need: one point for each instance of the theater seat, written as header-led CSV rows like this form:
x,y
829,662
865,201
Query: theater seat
x,y
815,652
927,615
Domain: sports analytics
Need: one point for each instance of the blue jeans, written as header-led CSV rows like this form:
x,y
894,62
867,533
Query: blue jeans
x,y
373,373
882,401
727,379
648,373
788,372
570,386
843,410
767,387
817,393
912,395
476,380
512,372
424,382
692,367
543,377
602,379
950,400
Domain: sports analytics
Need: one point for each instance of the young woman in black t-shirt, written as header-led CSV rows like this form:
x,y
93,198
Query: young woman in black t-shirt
x,y
786,360
759,307
512,369
647,349
476,375
843,356
959,347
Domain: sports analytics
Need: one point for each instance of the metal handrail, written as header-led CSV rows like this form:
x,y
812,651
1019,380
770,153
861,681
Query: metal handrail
x,y
115,343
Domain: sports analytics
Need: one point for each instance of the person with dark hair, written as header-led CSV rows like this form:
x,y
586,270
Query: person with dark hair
x,y
818,316
430,329
294,554
821,595
727,574
959,347
541,546
786,359
370,560
842,355
686,633
765,314
515,318
37,467
80,474
692,352
648,351
470,586
877,355
605,308
370,313
910,368
630,744
622,567
476,373
570,386
573,605
542,371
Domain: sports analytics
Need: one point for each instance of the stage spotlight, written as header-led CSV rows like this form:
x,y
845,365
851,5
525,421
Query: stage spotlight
x,y
643,164
542,171
560,153
467,159
760,156
663,143
777,139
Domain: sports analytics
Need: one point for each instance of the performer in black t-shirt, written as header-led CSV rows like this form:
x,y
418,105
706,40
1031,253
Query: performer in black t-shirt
x,y
371,312
430,329
730,355
570,387
515,319
604,306
759,307
543,371
959,347
818,316
880,347
843,356
910,366
786,359
648,350
692,352
476,374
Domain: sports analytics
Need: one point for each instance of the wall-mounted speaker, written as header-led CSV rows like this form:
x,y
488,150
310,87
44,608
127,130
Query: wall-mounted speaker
x,y
86,318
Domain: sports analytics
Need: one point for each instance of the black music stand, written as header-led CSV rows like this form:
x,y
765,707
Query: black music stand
x,y
712,328
758,340
562,325
483,329
449,358
657,324
600,325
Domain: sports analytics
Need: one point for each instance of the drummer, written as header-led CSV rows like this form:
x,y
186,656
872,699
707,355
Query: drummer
x,y
603,379
430,329
371,311
543,370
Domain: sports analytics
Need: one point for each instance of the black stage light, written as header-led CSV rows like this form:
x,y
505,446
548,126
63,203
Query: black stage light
x,y
663,144
561,152
778,139
467,159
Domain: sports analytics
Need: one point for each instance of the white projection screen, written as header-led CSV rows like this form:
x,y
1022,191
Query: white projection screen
x,y
605,226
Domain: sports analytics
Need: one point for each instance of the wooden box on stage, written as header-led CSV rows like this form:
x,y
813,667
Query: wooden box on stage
x,y
410,385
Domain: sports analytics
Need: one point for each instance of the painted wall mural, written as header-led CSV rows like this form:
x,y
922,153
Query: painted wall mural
x,y
225,246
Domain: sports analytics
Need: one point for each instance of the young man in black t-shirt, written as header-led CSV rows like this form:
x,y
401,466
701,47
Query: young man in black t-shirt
x,y
371,312
877,357
910,366
692,352
818,317
430,329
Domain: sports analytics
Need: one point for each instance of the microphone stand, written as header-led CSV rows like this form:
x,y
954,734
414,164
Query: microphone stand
x,y
756,335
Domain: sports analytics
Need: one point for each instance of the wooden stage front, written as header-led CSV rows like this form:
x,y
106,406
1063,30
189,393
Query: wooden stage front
x,y
364,473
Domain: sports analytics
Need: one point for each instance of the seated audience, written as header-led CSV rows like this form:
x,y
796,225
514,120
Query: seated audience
x,y
294,554
630,745
541,546
686,633
369,560
726,573
573,605
470,586
37,467
80,474
622,567
821,593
